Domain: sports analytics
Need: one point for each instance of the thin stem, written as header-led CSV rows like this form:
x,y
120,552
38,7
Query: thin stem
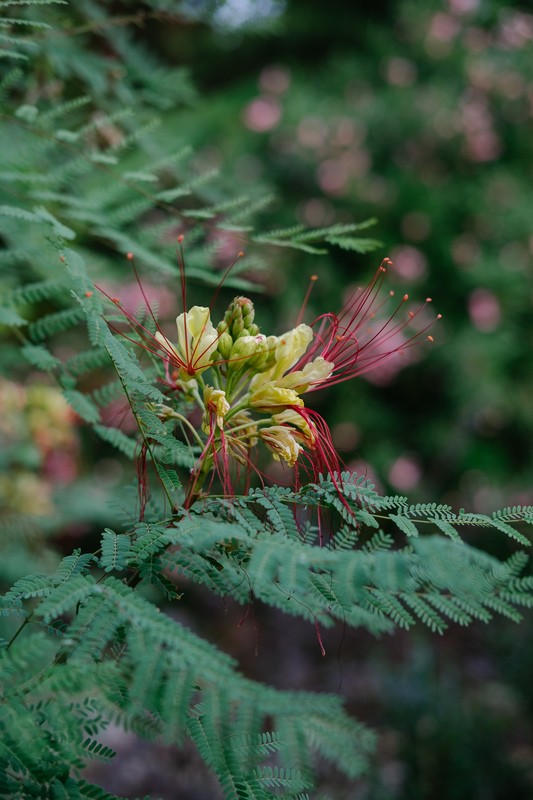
x,y
250,424
190,426
139,425
19,630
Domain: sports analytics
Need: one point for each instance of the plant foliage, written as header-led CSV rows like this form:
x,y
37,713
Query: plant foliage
x,y
91,639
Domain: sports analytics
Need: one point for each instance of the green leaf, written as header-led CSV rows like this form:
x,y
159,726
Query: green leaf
x,y
10,317
404,524
116,549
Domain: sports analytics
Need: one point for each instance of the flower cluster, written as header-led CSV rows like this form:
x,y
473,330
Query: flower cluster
x,y
249,387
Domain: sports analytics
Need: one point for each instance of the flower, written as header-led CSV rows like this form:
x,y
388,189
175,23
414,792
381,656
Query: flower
x,y
197,340
216,406
280,440
271,397
301,429
249,386
313,373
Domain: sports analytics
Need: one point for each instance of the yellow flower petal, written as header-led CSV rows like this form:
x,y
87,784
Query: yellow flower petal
x,y
290,348
272,397
197,338
282,443
215,405
303,429
314,372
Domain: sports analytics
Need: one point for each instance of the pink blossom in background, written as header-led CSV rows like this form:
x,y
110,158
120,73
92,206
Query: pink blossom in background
x,y
228,244
400,71
405,473
484,309
61,466
461,7
466,250
410,263
316,212
516,30
275,79
385,372
262,114
444,27
312,132
482,142
345,436
332,177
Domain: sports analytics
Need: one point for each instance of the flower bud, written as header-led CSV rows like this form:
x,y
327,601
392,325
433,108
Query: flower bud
x,y
243,348
163,411
258,361
224,344
239,318
237,327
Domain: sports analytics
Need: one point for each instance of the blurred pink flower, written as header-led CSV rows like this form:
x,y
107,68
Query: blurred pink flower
x,y
484,309
405,473
275,79
410,263
262,114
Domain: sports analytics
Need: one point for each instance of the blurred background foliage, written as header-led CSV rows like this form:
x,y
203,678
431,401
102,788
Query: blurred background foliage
x,y
417,113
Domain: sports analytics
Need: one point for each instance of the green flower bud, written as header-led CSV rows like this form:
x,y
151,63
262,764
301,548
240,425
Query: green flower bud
x,y
239,318
260,358
271,343
242,350
224,345
237,327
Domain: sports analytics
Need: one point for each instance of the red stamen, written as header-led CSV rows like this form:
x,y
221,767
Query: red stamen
x,y
312,281
351,340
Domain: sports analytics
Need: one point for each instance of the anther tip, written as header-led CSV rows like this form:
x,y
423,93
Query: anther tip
x,y
129,256
430,339
180,238
240,254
